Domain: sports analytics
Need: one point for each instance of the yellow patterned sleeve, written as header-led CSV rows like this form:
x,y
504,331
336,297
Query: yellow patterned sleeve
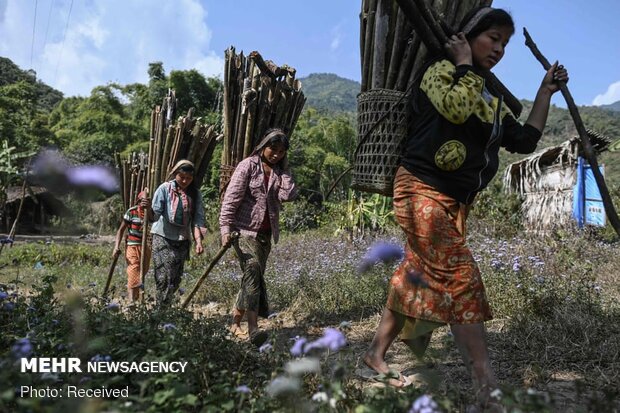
x,y
454,100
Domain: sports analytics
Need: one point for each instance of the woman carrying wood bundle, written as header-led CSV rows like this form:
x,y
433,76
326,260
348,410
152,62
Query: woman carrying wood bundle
x,y
451,154
251,206
134,221
179,215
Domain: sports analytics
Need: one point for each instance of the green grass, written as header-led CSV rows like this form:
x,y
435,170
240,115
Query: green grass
x,y
555,301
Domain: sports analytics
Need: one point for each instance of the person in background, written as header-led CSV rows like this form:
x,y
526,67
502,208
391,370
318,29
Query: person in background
x,y
251,206
451,154
179,216
133,220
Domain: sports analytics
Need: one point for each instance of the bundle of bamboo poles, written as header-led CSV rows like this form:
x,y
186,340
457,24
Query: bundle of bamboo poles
x,y
398,36
133,173
258,95
391,48
188,138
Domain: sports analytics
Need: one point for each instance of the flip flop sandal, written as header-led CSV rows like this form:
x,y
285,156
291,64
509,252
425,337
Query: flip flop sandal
x,y
238,333
258,337
369,374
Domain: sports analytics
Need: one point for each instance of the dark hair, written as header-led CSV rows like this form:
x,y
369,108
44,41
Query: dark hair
x,y
277,136
495,17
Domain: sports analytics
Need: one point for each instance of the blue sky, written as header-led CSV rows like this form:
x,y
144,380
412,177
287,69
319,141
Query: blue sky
x,y
114,40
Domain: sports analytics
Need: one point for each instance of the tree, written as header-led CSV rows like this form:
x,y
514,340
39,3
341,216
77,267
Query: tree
x,y
9,171
92,129
21,123
321,150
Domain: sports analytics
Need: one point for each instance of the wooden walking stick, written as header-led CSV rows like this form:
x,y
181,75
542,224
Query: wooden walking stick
x,y
145,235
583,136
220,253
110,273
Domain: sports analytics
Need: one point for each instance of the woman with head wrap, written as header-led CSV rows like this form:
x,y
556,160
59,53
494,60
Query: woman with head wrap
x,y
251,206
179,217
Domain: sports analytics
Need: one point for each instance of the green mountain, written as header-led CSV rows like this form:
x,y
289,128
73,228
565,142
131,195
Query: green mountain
x,y
46,96
560,127
612,106
331,93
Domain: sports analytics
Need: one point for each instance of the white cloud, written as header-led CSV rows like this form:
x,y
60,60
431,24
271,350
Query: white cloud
x,y
107,41
336,38
610,96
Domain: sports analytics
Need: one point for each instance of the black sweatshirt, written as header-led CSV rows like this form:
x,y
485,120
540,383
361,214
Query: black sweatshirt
x,y
454,141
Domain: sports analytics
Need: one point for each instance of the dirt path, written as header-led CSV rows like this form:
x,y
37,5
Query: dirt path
x,y
441,369
64,239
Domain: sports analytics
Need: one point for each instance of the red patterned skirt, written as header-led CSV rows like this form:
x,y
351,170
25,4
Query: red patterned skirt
x,y
438,281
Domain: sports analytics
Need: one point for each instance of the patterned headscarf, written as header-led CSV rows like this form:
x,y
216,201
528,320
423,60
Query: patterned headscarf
x,y
265,141
183,163
475,19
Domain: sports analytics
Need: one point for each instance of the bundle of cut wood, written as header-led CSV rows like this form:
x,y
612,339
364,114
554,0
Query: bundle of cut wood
x,y
391,49
398,36
258,95
188,138
132,171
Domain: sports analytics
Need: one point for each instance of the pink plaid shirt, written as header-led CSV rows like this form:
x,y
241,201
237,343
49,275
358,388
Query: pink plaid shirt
x,y
246,200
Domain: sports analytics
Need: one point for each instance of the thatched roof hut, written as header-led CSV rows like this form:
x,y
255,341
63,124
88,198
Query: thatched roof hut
x,y
39,207
546,181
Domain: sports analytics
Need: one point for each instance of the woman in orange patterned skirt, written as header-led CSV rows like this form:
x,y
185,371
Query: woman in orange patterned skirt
x,y
460,123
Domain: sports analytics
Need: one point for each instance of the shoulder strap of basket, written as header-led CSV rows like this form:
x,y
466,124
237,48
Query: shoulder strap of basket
x,y
382,118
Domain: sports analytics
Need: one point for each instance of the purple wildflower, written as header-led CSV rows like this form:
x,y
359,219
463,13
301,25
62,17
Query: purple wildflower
x,y
51,169
266,348
22,348
3,295
381,252
298,347
332,339
169,327
424,404
415,278
242,389
96,176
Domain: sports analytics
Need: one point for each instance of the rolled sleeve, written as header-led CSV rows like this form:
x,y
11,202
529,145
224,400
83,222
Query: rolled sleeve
x,y
233,197
158,204
199,212
288,190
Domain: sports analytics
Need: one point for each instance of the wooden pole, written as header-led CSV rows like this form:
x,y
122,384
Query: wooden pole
x,y
111,273
368,46
145,235
17,216
382,29
583,136
220,253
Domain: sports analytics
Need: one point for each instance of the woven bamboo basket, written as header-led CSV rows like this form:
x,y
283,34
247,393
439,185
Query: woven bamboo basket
x,y
226,172
378,152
